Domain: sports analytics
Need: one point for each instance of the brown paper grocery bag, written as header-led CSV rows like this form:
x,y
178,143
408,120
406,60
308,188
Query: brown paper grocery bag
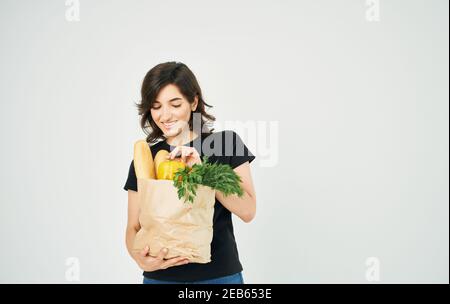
x,y
168,222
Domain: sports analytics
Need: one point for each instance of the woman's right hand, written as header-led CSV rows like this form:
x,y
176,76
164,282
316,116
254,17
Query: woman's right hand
x,y
149,263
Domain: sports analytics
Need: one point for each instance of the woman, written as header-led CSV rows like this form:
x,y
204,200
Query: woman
x,y
172,107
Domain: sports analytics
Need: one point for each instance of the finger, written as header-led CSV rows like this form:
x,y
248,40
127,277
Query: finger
x,y
173,152
144,251
183,155
178,153
171,262
194,157
162,253
191,156
194,153
183,262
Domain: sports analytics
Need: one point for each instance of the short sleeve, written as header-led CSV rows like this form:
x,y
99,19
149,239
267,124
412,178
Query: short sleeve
x,y
131,183
241,153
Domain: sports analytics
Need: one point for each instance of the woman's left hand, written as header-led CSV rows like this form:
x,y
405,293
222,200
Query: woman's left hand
x,y
189,155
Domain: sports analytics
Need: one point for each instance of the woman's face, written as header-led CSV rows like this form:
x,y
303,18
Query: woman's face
x,y
171,111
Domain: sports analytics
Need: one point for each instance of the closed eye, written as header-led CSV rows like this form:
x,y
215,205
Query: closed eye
x,y
175,106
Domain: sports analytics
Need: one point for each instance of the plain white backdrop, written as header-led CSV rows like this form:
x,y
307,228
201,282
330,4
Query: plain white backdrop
x,y
361,102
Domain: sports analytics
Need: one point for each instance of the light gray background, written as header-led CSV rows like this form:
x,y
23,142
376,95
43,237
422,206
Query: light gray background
x,y
363,121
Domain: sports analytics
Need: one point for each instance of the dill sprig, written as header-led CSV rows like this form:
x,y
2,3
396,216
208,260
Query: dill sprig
x,y
220,177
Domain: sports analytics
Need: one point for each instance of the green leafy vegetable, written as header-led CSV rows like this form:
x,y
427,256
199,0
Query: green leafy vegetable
x,y
220,177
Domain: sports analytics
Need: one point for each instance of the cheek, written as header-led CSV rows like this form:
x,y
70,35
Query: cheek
x,y
181,113
154,115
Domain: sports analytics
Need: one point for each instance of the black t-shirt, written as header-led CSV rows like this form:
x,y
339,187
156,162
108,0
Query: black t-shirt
x,y
225,147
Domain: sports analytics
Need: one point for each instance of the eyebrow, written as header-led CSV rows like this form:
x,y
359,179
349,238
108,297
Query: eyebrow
x,y
173,99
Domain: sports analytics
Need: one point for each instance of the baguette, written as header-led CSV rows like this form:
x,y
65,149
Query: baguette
x,y
143,160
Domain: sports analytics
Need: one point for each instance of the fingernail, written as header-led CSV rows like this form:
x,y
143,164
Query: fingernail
x,y
165,249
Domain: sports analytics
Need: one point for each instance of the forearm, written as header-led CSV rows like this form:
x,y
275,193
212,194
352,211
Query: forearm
x,y
129,240
244,207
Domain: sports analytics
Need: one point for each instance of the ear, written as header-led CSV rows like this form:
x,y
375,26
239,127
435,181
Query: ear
x,y
194,104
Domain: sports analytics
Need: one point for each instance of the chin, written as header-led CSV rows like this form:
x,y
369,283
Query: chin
x,y
172,133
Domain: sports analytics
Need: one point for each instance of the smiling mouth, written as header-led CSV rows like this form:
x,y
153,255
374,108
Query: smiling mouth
x,y
169,125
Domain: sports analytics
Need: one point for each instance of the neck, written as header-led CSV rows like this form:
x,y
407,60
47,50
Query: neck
x,y
182,138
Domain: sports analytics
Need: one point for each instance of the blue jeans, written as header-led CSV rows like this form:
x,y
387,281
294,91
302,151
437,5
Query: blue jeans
x,y
230,279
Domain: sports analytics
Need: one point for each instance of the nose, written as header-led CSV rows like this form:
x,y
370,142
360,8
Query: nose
x,y
165,115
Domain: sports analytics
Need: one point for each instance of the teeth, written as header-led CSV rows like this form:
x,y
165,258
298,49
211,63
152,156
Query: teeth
x,y
169,125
